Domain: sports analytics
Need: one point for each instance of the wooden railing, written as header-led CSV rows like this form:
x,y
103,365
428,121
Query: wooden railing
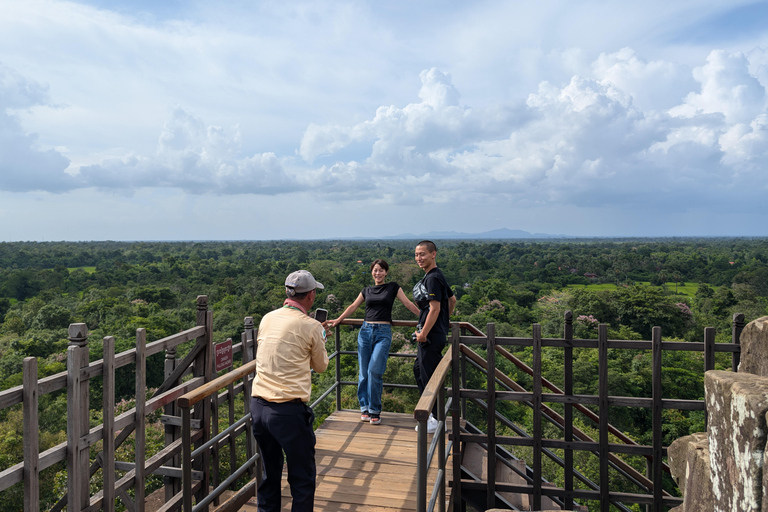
x,y
240,426
181,376
573,440
434,394
190,398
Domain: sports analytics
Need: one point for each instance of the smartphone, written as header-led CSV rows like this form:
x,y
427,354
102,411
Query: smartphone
x,y
321,315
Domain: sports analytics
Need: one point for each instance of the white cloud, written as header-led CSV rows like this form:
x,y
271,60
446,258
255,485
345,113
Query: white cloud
x,y
727,88
348,104
587,142
195,158
400,135
653,85
24,165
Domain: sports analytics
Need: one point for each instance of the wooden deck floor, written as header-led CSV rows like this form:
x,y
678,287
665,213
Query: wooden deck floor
x,y
363,467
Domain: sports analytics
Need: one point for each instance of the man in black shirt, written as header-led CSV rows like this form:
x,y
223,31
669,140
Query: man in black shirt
x,y
436,301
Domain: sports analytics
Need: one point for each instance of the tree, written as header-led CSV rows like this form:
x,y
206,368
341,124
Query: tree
x,y
52,316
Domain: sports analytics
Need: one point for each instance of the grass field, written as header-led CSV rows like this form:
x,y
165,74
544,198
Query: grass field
x,y
688,289
87,270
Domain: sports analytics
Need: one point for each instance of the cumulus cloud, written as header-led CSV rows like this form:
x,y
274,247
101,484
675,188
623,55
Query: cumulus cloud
x,y
631,132
196,158
727,88
652,85
616,137
24,166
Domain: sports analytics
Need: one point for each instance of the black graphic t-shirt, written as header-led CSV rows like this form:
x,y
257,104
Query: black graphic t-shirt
x,y
379,300
433,286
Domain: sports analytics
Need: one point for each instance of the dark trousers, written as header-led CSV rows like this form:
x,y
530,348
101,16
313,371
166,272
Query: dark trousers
x,y
428,356
285,427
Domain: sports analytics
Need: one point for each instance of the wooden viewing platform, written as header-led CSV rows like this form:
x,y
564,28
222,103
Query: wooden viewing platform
x,y
363,467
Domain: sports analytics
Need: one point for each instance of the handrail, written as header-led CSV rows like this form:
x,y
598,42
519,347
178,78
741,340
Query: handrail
x,y
188,400
434,393
51,383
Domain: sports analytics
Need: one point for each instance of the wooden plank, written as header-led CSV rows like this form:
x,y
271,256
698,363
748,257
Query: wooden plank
x,y
238,499
213,386
362,467
325,506
364,440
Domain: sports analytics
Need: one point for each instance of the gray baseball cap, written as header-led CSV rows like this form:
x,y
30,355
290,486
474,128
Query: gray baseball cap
x,y
302,281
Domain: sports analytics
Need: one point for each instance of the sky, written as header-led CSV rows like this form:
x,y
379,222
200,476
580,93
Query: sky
x,y
245,120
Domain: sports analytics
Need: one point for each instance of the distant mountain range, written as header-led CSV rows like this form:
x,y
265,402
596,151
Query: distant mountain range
x,y
496,234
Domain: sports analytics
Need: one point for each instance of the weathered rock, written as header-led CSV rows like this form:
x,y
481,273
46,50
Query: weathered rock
x,y
689,464
737,404
754,347
678,457
699,496
765,475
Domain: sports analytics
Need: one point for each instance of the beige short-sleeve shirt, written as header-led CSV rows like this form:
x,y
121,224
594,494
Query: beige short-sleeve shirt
x,y
290,343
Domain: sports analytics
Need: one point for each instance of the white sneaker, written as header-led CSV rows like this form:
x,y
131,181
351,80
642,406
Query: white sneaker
x,y
431,425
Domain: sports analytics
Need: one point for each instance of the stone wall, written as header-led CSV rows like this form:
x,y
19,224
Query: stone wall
x,y
722,470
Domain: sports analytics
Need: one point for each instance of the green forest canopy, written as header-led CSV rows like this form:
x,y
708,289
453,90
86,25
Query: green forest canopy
x,y
117,287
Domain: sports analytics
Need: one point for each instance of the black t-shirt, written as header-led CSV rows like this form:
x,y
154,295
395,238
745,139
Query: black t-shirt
x,y
379,300
433,286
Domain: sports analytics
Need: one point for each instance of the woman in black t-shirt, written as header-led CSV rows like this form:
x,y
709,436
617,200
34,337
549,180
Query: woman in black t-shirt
x,y
375,337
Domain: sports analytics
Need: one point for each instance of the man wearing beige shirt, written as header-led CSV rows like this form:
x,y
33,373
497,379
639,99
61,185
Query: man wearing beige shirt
x,y
289,344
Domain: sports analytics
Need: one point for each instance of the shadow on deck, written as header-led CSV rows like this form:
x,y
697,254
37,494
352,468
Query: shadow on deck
x,y
362,467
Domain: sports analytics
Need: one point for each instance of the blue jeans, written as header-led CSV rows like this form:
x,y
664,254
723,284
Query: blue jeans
x,y
373,344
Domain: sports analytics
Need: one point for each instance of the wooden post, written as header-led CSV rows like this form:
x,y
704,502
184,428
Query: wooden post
x,y
337,364
108,434
421,467
77,419
31,437
141,415
203,368
602,373
249,352
172,485
456,368
658,489
537,430
568,409
490,497
186,459
440,448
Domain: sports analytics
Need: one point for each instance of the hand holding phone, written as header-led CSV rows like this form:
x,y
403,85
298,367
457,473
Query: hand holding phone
x,y
321,315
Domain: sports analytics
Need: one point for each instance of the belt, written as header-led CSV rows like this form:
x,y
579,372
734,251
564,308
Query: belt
x,y
294,400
